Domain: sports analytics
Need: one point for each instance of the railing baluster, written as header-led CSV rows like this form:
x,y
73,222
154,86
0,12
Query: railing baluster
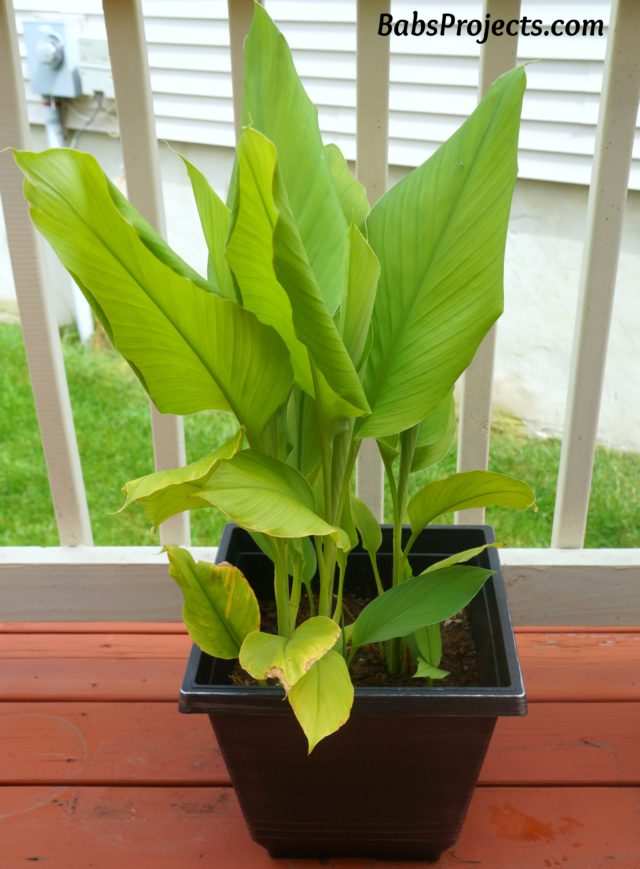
x,y
372,121
42,343
130,68
497,55
605,210
240,14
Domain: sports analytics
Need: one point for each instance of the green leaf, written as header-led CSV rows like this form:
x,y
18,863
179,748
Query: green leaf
x,y
165,493
436,435
253,264
275,103
367,525
322,699
417,602
267,656
458,558
152,240
465,490
347,522
389,447
220,608
428,671
440,236
356,308
302,431
214,218
351,193
304,550
263,494
250,248
428,644
191,349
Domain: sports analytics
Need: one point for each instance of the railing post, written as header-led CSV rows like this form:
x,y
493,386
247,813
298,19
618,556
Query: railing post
x,y
605,210
240,15
497,56
372,169
42,343
130,69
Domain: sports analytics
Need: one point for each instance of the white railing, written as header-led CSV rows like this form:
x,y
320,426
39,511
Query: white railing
x,y
561,585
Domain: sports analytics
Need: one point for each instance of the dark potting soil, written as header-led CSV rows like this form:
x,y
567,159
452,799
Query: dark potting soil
x,y
459,654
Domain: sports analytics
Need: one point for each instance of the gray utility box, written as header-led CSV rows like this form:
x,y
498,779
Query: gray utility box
x,y
53,57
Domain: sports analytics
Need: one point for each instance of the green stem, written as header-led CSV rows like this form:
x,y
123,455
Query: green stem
x,y
376,572
342,567
296,591
281,585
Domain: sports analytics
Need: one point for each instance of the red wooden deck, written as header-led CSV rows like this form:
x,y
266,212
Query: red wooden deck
x,y
98,770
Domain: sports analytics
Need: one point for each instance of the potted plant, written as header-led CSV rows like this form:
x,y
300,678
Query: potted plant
x,y
320,322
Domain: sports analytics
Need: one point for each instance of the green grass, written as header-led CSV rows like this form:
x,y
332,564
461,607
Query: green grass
x,y
114,435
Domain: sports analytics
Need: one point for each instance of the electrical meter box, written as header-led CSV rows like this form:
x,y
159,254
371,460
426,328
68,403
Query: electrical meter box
x,y
52,57
95,65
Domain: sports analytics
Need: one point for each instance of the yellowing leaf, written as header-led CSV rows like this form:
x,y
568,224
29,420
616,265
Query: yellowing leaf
x,y
267,656
165,493
264,494
322,699
220,608
465,490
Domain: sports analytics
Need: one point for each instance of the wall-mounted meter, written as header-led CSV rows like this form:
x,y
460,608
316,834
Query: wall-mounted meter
x,y
52,57
94,62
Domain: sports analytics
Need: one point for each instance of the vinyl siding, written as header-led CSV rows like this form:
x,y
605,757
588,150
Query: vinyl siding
x,y
433,80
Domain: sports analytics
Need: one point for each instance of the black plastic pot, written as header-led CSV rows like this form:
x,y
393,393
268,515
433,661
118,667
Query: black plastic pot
x,y
396,780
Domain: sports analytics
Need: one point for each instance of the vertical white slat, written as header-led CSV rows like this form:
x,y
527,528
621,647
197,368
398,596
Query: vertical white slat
x,y
372,169
497,56
42,343
240,14
130,69
605,210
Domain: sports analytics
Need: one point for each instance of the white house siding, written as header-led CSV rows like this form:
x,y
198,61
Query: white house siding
x,y
433,88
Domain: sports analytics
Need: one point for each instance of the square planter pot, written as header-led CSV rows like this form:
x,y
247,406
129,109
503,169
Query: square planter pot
x,y
396,780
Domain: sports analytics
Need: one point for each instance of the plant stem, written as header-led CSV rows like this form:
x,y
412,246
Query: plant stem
x,y
376,573
281,584
296,591
342,567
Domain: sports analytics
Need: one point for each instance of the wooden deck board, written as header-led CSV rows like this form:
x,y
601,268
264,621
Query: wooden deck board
x,y
180,828
45,743
581,666
99,769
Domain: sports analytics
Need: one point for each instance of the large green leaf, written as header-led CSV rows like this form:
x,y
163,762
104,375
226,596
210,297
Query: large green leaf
x,y
356,307
436,435
250,248
152,240
275,103
214,218
465,490
256,264
263,494
417,602
302,432
267,656
165,493
351,193
322,699
440,236
220,608
192,349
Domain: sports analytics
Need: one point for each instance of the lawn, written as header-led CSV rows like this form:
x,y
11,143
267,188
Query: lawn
x,y
114,435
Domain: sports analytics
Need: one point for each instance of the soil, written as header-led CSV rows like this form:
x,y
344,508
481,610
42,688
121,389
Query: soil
x,y
459,654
